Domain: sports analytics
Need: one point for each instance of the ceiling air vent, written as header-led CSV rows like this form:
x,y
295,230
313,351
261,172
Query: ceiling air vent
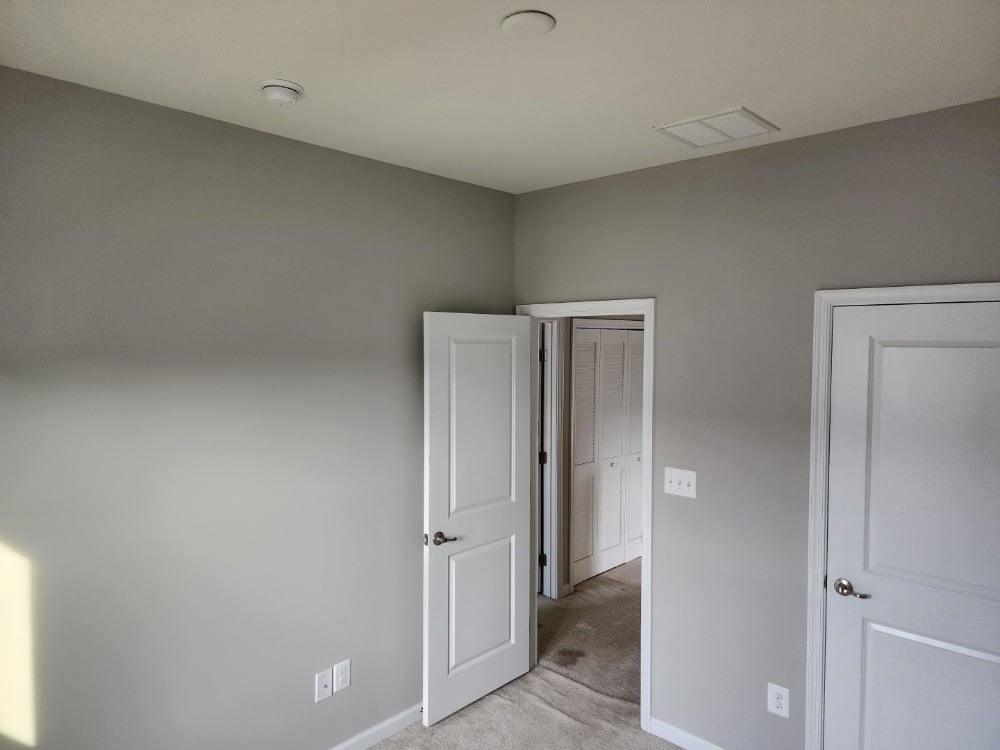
x,y
720,128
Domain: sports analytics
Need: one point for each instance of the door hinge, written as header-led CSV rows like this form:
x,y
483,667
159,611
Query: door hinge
x,y
425,540
543,457
543,560
824,581
543,355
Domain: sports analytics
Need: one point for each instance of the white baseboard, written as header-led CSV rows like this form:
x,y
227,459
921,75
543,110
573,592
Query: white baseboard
x,y
679,737
565,589
382,730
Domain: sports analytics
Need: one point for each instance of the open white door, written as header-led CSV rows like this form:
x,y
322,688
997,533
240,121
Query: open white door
x,y
477,466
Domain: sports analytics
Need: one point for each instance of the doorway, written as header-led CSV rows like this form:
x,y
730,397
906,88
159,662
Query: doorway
x,y
553,482
482,521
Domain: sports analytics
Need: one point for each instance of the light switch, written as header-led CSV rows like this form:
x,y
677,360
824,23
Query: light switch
x,y
683,482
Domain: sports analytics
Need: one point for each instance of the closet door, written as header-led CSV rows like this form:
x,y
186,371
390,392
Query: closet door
x,y
586,350
633,491
612,449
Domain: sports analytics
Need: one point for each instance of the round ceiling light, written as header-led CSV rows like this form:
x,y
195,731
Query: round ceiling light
x,y
528,23
281,93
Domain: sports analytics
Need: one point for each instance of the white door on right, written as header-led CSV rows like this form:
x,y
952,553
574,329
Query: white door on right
x,y
914,526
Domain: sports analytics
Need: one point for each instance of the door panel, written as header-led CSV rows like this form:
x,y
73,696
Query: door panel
x,y
633,508
914,517
481,429
635,343
900,710
477,453
609,522
585,346
480,601
584,479
611,386
931,442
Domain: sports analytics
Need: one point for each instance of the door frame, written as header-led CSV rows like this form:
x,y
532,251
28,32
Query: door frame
x,y
819,453
598,308
549,425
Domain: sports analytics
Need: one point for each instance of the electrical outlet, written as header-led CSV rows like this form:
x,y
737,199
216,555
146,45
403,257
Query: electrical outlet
x,y
777,699
342,675
324,684
683,482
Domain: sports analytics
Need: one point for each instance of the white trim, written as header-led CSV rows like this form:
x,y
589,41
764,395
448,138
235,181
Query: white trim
x,y
382,730
679,737
550,478
647,308
636,325
588,309
533,498
825,302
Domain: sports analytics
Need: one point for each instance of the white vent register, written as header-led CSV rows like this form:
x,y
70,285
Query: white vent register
x,y
725,126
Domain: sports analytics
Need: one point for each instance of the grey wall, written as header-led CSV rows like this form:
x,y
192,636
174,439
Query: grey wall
x,y
211,416
210,412
733,247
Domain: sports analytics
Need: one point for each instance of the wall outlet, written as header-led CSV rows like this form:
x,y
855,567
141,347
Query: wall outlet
x,y
324,684
683,482
342,675
777,699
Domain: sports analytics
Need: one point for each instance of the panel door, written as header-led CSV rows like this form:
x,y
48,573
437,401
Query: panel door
x,y
914,514
477,572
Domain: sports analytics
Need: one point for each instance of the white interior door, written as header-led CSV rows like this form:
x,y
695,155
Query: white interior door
x,y
914,524
477,459
606,496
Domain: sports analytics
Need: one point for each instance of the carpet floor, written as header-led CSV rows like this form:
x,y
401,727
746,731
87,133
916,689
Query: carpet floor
x,y
583,694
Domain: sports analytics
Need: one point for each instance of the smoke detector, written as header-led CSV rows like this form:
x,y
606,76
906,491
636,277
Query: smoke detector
x,y
725,126
528,23
280,93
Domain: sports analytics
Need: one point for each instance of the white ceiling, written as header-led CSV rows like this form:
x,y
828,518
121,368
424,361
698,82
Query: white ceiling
x,y
435,85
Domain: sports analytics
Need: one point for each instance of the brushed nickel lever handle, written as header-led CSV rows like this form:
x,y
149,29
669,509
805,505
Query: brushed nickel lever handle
x,y
440,538
845,588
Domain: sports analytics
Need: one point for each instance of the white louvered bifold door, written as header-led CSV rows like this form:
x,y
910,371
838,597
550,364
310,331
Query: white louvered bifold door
x,y
586,346
612,438
607,450
633,485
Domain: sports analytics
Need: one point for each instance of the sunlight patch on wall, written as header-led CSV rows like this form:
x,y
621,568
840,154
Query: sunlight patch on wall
x,y
17,680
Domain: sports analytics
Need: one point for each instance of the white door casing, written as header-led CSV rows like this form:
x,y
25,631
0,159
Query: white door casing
x,y
477,463
914,515
646,308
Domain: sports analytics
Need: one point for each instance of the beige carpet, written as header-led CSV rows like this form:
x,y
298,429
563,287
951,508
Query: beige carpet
x,y
584,692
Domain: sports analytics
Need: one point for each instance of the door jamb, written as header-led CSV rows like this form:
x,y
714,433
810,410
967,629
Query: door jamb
x,y
646,308
819,453
550,422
